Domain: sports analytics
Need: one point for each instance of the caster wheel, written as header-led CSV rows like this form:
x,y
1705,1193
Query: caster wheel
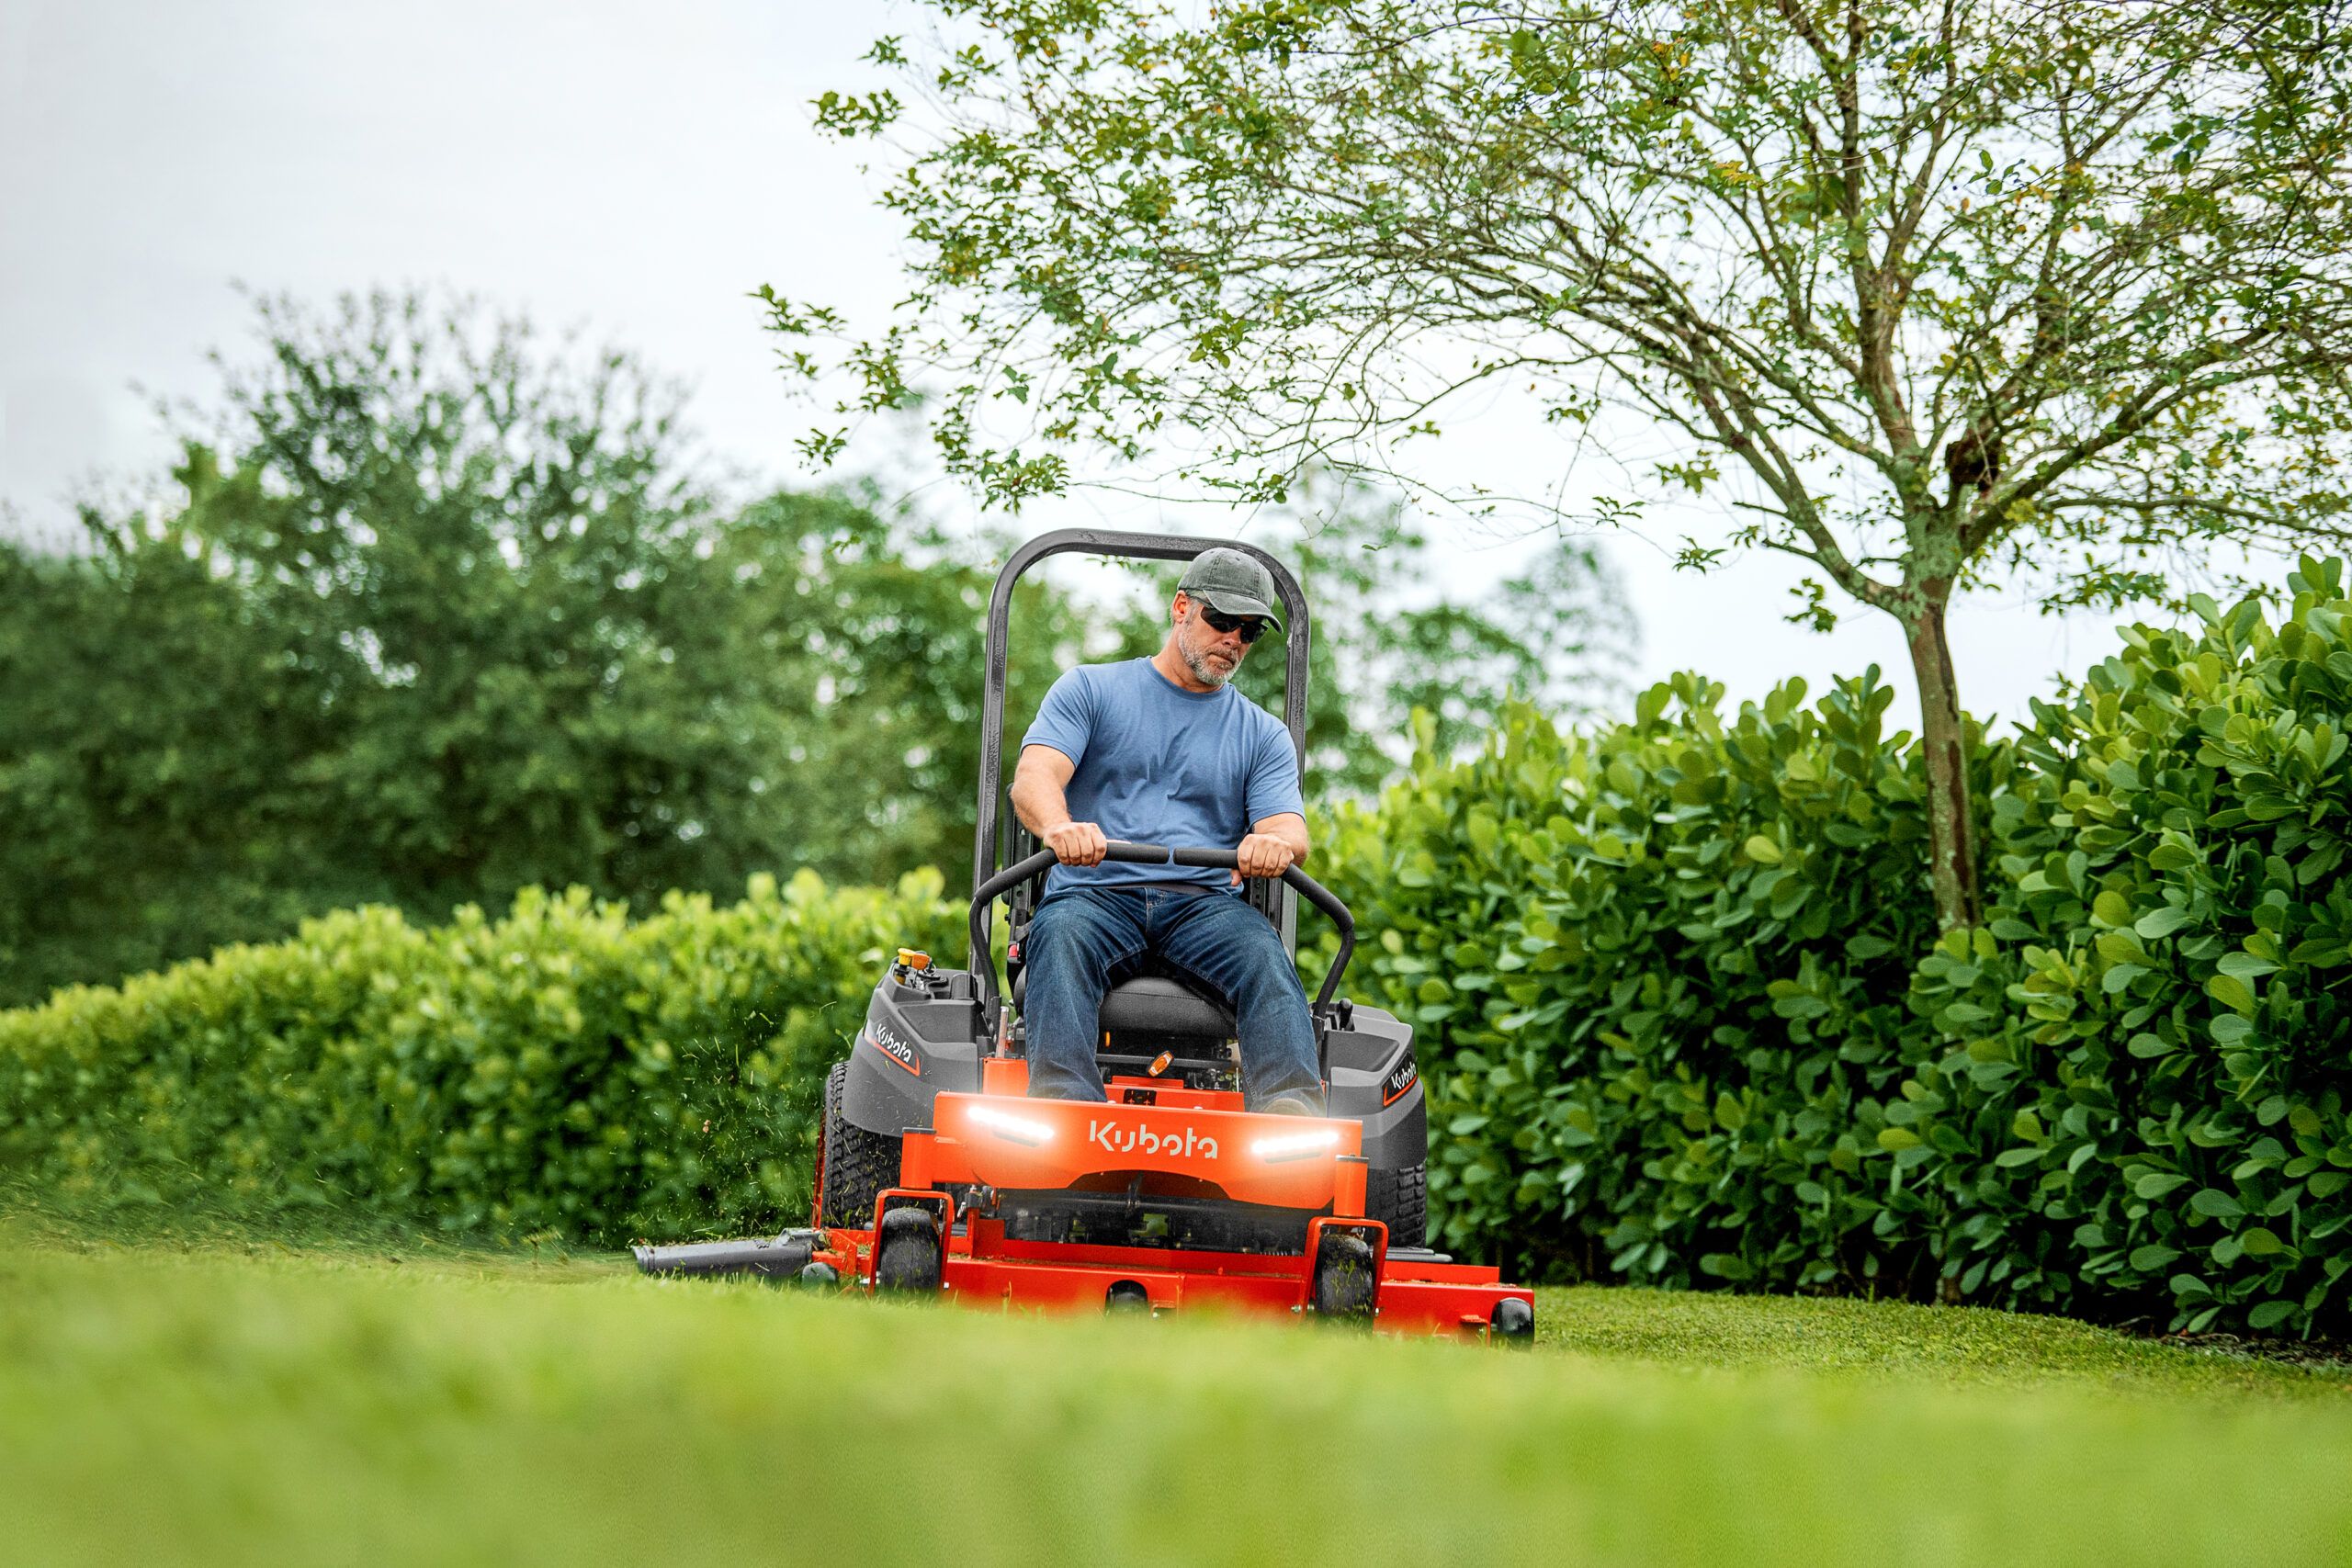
x,y
1344,1280
909,1259
1514,1322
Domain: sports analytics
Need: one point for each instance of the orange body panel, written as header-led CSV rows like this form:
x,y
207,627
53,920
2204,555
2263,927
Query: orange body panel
x,y
1290,1162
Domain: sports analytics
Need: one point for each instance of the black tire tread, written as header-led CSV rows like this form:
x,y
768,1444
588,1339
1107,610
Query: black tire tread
x,y
1344,1285
1400,1200
908,1262
858,1164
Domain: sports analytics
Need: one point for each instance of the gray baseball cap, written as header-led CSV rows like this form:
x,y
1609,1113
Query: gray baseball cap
x,y
1232,582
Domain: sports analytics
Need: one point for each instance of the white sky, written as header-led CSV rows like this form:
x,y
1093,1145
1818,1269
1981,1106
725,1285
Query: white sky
x,y
631,169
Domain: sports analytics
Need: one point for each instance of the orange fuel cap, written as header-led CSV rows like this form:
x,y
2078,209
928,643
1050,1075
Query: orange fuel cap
x,y
914,960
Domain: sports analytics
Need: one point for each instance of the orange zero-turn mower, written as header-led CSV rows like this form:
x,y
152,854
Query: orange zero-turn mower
x,y
937,1176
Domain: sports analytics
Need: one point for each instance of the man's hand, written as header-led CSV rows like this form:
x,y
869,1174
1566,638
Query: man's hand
x,y
1077,843
1262,855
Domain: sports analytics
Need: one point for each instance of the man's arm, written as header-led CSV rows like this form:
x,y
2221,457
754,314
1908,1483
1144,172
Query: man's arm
x,y
1274,846
1038,783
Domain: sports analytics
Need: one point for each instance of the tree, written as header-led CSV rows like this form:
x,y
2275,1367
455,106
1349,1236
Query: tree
x,y
144,728
1929,293
885,768
447,612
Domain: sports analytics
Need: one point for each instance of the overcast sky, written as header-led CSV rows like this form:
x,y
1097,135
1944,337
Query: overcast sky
x,y
632,169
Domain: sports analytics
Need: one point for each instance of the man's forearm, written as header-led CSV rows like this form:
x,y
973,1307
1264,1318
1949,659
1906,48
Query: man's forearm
x,y
1040,804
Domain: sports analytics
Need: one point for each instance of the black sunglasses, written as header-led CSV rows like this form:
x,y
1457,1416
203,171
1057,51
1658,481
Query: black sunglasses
x,y
1250,626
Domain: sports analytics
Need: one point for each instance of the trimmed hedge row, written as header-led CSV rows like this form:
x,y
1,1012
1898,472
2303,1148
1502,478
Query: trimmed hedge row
x,y
1677,1026
563,1070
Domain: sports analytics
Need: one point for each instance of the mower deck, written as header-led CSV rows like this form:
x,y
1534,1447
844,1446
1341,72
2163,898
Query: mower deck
x,y
1412,1295
1000,1150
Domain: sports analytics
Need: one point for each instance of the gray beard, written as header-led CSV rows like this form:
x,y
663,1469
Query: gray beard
x,y
1207,673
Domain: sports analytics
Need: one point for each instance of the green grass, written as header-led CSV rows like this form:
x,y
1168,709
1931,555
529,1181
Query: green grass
x,y
200,1396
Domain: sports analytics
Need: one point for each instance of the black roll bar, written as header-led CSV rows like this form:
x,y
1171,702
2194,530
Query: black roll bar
x,y
1012,877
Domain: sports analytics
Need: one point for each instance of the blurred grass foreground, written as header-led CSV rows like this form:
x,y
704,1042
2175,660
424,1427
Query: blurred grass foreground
x,y
220,1399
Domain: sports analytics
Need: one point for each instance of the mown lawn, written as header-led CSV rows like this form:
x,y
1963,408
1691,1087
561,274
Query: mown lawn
x,y
225,1401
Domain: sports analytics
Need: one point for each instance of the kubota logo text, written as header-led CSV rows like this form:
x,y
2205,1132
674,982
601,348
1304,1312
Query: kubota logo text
x,y
1192,1145
890,1046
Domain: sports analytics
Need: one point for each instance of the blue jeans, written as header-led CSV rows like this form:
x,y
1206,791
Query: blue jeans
x,y
1082,940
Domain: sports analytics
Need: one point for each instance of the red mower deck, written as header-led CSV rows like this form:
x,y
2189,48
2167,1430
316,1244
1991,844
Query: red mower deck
x,y
992,1144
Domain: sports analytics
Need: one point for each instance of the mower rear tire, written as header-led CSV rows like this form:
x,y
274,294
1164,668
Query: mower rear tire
x,y
856,1164
1400,1200
908,1259
1346,1279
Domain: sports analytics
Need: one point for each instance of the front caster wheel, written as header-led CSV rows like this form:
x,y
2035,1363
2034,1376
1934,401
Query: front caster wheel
x,y
1345,1279
908,1259
1514,1322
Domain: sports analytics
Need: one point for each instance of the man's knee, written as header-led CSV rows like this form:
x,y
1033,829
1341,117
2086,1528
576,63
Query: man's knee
x,y
1266,968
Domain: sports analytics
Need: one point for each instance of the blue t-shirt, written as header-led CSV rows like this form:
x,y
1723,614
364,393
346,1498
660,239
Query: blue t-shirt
x,y
1158,764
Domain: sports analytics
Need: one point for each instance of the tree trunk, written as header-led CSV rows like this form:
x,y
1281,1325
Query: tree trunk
x,y
1951,835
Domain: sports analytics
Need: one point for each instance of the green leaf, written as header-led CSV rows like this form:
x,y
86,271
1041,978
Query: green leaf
x,y
1897,1138
2231,992
2270,1314
2212,1201
2260,1242
2246,967
2161,922
1763,851
2158,1184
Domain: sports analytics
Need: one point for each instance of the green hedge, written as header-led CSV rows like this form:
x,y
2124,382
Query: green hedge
x,y
2147,1097
1677,1030
563,1070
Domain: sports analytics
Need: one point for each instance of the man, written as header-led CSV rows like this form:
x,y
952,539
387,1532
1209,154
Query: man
x,y
1163,751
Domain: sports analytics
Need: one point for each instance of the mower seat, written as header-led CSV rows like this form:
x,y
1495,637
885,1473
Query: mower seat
x,y
1161,1004
1155,1003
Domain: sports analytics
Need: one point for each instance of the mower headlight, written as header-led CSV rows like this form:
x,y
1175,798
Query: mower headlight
x,y
1295,1146
1020,1129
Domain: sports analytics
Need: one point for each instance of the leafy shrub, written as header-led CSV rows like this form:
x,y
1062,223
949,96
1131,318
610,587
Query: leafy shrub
x,y
562,1070
1673,1031
2154,1028
1659,973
